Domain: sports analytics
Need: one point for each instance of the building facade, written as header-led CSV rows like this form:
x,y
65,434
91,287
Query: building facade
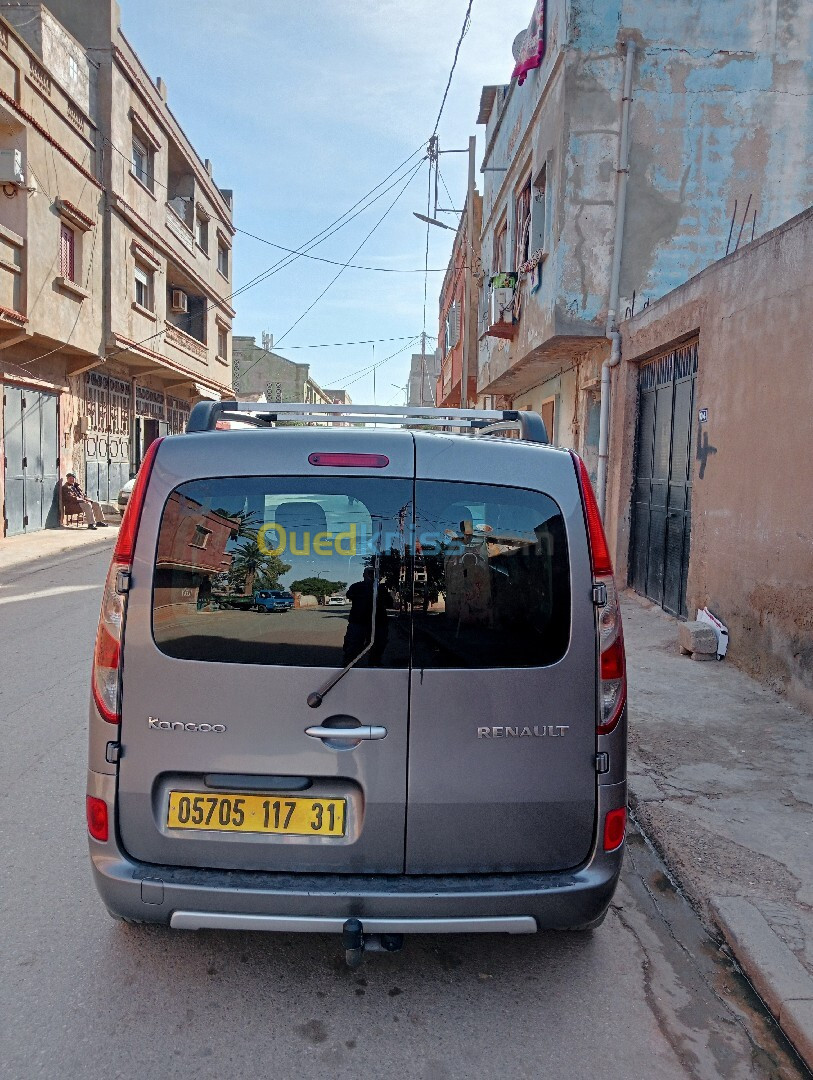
x,y
262,375
454,322
141,251
424,369
710,492
51,275
703,141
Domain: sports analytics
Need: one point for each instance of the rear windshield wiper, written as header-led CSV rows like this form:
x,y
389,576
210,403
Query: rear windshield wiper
x,y
316,698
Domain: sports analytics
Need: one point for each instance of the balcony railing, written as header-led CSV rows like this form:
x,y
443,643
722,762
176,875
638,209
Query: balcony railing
x,y
186,342
180,229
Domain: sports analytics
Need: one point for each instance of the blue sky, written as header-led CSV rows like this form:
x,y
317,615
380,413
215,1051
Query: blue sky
x,y
303,107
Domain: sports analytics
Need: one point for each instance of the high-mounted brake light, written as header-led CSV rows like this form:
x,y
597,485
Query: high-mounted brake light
x,y
107,655
353,461
612,661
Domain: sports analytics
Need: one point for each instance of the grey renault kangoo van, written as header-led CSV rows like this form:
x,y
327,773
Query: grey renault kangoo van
x,y
445,752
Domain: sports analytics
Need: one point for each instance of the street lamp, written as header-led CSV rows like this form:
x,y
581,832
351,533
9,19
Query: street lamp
x,y
434,221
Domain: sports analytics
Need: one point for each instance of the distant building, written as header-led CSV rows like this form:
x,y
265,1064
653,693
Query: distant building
x,y
423,377
454,320
339,397
262,375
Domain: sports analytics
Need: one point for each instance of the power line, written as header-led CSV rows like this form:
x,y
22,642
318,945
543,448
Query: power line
x,y
338,344
463,32
334,226
337,262
410,178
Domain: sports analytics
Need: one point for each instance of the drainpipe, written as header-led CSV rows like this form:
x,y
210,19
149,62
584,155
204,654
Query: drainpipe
x,y
612,331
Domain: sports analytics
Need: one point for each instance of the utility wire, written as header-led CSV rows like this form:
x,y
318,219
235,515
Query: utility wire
x,y
337,262
334,226
338,344
463,32
410,178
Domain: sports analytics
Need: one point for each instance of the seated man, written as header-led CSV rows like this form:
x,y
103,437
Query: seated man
x,y
92,511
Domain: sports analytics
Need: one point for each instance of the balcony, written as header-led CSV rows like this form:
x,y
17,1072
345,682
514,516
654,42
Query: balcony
x,y
186,343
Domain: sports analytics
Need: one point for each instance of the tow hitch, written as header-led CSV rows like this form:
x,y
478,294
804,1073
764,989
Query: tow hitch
x,y
356,942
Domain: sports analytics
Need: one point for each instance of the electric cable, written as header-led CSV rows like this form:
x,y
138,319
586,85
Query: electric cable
x,y
333,280
258,278
463,32
337,262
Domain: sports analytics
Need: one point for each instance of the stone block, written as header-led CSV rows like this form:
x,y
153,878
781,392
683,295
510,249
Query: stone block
x,y
697,637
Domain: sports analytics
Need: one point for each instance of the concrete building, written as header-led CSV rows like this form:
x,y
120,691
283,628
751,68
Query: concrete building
x,y
710,494
424,369
51,293
454,321
143,238
720,109
260,374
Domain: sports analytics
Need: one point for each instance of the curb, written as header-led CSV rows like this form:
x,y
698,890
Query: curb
x,y
778,977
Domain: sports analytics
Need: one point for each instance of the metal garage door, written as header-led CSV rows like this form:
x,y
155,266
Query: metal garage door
x,y
107,445
663,479
32,460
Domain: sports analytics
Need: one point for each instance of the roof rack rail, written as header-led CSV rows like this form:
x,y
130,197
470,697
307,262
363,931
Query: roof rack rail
x,y
530,425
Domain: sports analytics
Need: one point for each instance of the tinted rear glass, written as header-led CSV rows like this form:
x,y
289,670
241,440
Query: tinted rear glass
x,y
478,576
491,577
230,546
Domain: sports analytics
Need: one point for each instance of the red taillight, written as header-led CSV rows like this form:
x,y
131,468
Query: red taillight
x,y
615,825
612,661
353,461
107,654
125,542
96,810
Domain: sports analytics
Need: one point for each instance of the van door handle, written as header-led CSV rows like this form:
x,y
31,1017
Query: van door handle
x,y
367,732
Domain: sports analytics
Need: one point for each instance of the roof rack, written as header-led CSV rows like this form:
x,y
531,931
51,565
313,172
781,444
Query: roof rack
x,y
530,425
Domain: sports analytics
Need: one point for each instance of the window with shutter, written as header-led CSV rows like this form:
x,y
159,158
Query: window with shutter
x,y
67,243
143,290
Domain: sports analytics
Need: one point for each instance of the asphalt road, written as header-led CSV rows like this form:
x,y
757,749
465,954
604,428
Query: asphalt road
x,y
648,995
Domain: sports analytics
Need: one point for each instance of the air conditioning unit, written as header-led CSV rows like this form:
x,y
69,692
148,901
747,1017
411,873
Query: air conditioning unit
x,y
178,301
11,167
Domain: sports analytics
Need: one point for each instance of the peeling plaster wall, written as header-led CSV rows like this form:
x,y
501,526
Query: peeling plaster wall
x,y
722,109
752,529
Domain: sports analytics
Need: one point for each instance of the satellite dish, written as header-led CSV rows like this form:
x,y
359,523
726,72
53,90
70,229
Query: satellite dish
x,y
519,41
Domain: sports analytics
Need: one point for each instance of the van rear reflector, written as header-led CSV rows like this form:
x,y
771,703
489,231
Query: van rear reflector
x,y
352,461
96,810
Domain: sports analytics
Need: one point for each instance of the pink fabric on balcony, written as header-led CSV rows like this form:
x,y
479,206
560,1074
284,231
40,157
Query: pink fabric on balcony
x,y
532,49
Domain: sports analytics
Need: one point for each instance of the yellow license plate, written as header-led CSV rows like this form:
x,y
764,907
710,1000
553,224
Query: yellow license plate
x,y
256,814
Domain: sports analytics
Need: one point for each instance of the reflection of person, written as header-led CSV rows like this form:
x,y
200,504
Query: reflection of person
x,y
91,510
360,619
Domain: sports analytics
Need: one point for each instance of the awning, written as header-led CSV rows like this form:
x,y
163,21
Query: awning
x,y
206,392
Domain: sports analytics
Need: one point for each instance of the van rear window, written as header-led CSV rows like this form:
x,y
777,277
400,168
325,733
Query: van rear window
x,y
248,571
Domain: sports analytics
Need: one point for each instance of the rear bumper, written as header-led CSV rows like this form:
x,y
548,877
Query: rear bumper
x,y
196,898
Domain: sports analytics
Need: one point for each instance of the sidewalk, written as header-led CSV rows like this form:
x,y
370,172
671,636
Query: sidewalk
x,y
17,552
721,780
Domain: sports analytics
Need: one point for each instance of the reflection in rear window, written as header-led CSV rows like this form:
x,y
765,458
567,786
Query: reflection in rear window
x,y
245,565
249,570
491,577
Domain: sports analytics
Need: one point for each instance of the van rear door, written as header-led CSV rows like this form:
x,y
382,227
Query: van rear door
x,y
503,687
217,766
